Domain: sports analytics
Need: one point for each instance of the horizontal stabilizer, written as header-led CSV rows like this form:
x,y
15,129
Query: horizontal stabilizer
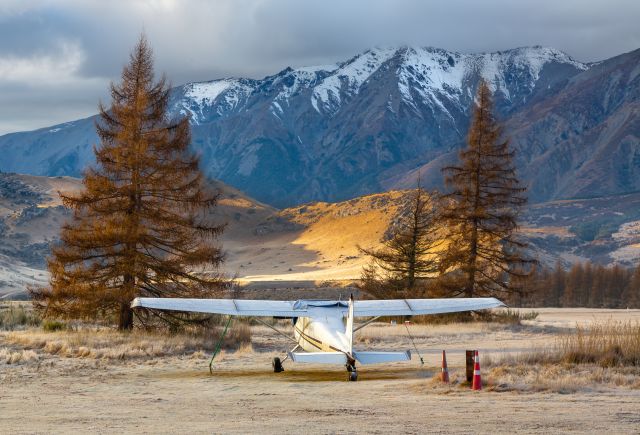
x,y
381,357
319,357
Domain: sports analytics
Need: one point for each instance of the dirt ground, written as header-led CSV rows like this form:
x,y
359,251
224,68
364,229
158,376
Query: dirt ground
x,y
176,394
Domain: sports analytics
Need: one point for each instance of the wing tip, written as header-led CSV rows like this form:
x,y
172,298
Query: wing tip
x,y
136,303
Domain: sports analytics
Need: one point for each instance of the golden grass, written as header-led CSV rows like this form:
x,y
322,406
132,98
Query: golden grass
x,y
556,378
602,355
114,345
607,344
560,378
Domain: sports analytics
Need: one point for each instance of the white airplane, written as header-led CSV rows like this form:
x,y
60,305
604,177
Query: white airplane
x,y
323,330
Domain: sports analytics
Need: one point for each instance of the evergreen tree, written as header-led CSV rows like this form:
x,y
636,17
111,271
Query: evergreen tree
x,y
408,258
587,283
482,209
616,283
631,295
574,285
140,225
596,292
557,286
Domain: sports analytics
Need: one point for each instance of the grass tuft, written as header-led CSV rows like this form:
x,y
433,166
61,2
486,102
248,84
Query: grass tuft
x,y
12,357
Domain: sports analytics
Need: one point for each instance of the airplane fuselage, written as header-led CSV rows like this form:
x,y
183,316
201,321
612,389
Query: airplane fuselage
x,y
324,331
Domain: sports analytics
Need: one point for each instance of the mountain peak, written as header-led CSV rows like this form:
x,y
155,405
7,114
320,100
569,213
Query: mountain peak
x,y
330,132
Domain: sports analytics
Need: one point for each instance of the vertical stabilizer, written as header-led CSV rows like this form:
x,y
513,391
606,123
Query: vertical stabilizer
x,y
349,326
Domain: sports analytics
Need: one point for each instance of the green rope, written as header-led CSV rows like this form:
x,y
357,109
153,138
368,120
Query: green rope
x,y
219,345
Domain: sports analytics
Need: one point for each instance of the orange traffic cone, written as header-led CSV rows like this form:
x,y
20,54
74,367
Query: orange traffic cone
x,y
477,380
444,374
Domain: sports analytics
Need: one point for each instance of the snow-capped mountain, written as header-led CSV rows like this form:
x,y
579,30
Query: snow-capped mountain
x,y
335,131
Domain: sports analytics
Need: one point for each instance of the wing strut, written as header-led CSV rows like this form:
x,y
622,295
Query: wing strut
x,y
276,329
362,325
414,344
219,344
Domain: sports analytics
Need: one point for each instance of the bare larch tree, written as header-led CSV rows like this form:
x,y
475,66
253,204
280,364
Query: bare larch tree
x,y
481,211
401,267
140,225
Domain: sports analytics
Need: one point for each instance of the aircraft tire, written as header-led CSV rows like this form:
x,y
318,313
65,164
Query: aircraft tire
x,y
353,376
277,365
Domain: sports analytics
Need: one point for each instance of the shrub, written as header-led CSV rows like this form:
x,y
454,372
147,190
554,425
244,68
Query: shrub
x,y
15,316
508,316
513,317
53,325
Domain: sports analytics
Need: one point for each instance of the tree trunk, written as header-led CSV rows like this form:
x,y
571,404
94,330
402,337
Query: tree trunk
x,y
125,322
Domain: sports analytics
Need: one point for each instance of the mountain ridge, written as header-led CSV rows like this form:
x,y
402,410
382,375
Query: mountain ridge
x,y
367,124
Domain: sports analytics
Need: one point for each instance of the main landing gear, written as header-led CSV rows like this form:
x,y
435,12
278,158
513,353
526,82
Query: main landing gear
x,y
353,373
277,365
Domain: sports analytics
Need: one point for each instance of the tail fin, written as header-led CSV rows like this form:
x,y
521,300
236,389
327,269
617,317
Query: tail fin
x,y
349,326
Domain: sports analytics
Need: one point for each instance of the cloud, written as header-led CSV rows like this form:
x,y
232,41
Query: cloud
x,y
56,68
78,46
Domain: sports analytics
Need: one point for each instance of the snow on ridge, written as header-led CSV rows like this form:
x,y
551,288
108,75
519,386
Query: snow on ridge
x,y
430,73
206,93
351,74
316,69
435,74
301,77
224,93
526,61
538,56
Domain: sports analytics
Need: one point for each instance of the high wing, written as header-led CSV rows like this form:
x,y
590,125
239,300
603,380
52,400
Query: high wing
x,y
302,308
414,307
233,307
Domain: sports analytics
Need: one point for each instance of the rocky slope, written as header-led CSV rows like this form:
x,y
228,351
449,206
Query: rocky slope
x,y
30,217
370,123
315,242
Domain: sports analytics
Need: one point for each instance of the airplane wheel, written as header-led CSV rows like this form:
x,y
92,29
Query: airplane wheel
x,y
353,376
277,365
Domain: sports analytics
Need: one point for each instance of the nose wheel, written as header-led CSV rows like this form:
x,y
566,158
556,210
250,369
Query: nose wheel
x,y
353,373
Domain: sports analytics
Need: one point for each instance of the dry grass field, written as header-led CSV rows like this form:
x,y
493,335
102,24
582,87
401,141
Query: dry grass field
x,y
98,380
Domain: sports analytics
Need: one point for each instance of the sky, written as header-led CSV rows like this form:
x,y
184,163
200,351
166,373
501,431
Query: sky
x,y
57,57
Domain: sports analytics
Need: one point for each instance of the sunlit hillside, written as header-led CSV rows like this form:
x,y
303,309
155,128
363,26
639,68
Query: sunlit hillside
x,y
311,243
